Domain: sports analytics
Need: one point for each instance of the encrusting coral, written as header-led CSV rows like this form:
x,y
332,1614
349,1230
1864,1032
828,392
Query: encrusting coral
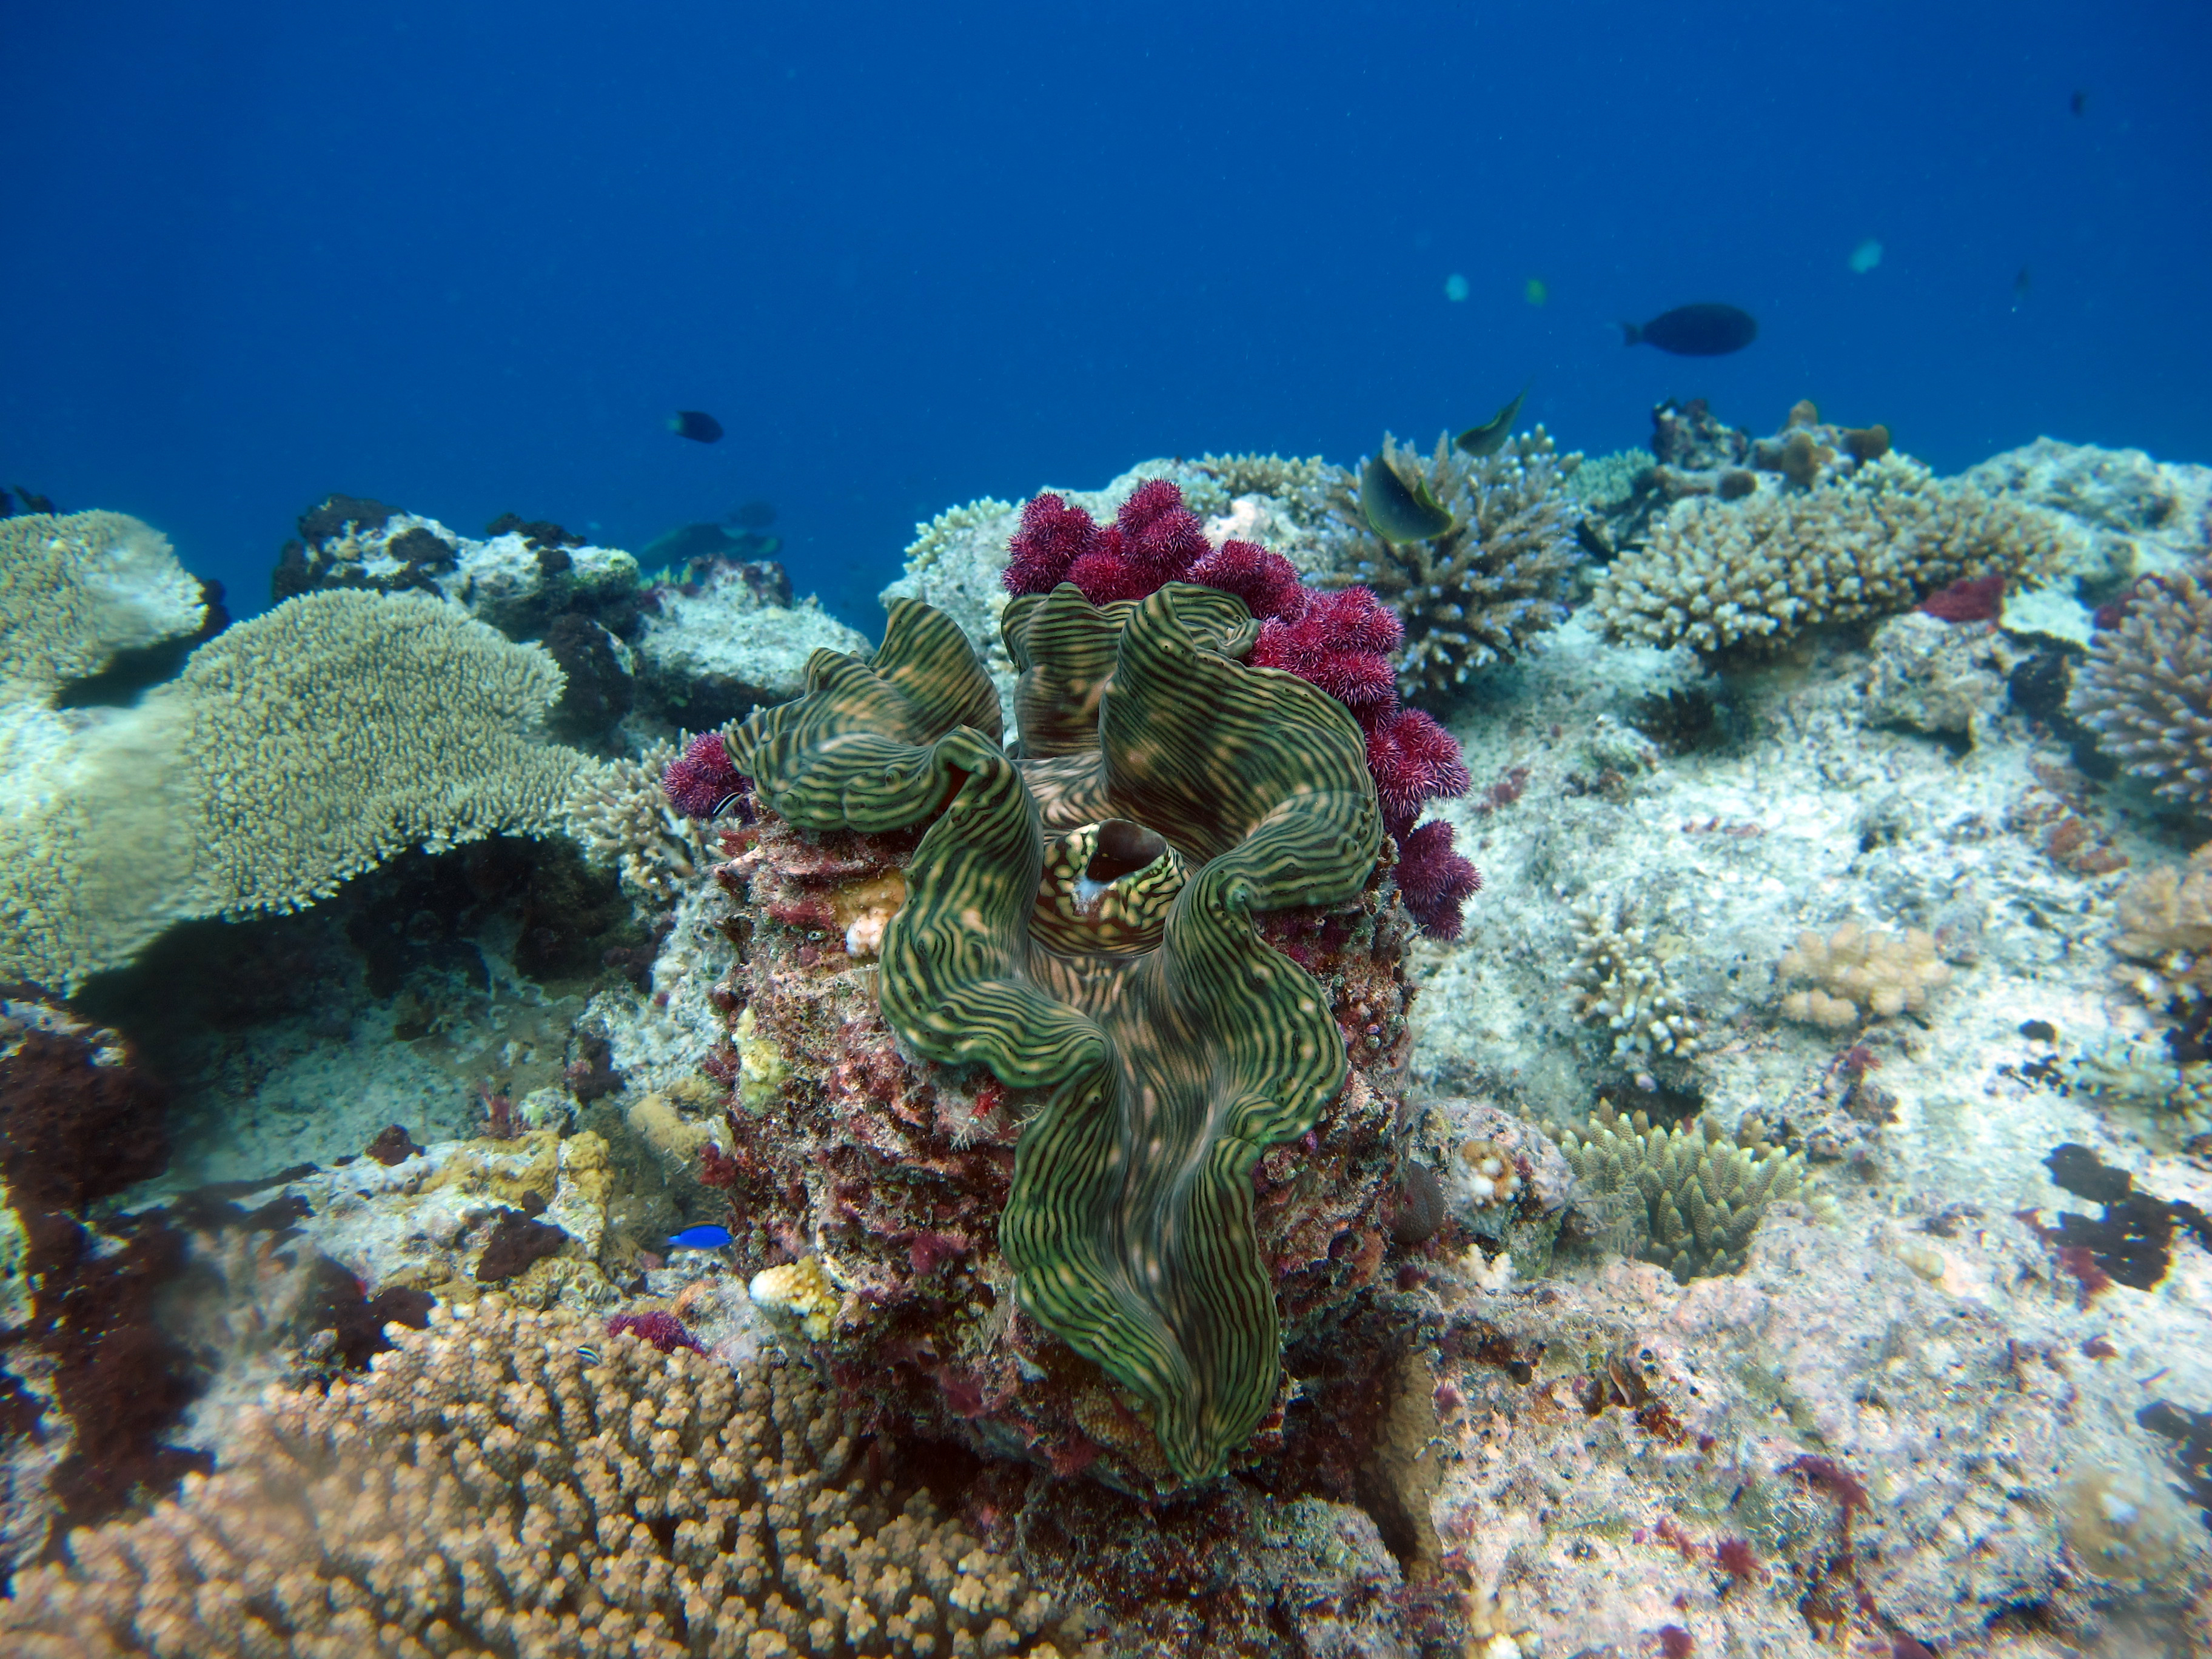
x,y
2147,689
1751,575
1167,1045
513,1483
1694,1195
1480,591
1859,973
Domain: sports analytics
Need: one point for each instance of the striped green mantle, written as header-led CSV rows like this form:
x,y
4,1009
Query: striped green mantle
x,y
1079,921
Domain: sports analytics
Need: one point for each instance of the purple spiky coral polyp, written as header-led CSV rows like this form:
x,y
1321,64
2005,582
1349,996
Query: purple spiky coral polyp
x,y
1339,641
700,781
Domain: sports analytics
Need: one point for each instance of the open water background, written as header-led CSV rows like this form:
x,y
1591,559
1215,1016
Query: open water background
x,y
467,257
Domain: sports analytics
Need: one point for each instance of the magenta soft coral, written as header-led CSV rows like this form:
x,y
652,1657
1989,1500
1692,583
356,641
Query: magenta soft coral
x,y
654,1325
1339,642
700,781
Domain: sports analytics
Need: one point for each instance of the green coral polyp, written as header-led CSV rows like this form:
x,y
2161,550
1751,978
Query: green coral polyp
x,y
1080,922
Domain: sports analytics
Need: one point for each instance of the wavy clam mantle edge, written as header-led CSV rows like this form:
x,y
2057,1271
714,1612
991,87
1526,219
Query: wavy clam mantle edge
x,y
1079,921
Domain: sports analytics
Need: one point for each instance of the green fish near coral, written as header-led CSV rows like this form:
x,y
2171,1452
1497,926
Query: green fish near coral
x,y
1397,510
1489,437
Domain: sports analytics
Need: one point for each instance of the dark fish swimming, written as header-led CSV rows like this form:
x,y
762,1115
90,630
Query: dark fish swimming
x,y
1397,511
697,425
2079,103
752,516
1709,329
705,1237
1489,437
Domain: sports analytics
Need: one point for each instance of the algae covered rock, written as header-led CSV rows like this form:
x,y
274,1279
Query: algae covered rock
x,y
1126,968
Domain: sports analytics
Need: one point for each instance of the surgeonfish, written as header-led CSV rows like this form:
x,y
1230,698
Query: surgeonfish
x,y
1706,330
697,425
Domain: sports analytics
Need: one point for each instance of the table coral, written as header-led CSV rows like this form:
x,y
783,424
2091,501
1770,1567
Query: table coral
x,y
1751,575
1155,1038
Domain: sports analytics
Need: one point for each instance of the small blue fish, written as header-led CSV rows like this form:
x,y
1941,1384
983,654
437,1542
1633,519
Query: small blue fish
x,y
588,1354
702,1238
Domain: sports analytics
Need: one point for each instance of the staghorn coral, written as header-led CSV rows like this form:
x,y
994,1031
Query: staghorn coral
x,y
1166,1047
1859,973
295,751
1751,575
1693,1196
1620,982
506,1483
76,589
2147,689
1479,592
2141,1078
621,815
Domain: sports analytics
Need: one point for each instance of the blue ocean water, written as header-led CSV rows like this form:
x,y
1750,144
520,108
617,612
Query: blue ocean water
x,y
468,259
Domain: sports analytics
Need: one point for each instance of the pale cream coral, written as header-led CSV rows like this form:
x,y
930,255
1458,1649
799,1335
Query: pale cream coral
x,y
76,589
619,812
294,751
505,1482
1755,572
1620,982
1860,974
2165,932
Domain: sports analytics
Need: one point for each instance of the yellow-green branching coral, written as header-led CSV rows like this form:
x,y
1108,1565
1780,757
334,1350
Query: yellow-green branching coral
x,y
1081,923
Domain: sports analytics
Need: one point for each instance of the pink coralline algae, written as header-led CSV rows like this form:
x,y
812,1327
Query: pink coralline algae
x,y
1972,599
664,1330
700,781
1340,642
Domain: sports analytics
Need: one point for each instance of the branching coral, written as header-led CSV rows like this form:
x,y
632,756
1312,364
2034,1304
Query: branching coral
x,y
1752,574
620,813
1694,1195
1620,982
1860,974
1479,592
1169,1046
507,1483
2147,689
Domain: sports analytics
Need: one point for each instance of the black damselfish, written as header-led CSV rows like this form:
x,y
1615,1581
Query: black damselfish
x,y
697,425
1699,331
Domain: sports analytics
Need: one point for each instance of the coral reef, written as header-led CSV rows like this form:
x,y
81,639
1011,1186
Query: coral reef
x,y
1689,1198
620,813
1620,982
295,751
1155,1036
1496,579
710,652
75,590
1859,973
502,1484
1748,575
2147,689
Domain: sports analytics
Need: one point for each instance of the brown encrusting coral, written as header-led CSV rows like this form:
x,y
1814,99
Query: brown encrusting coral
x,y
515,1484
